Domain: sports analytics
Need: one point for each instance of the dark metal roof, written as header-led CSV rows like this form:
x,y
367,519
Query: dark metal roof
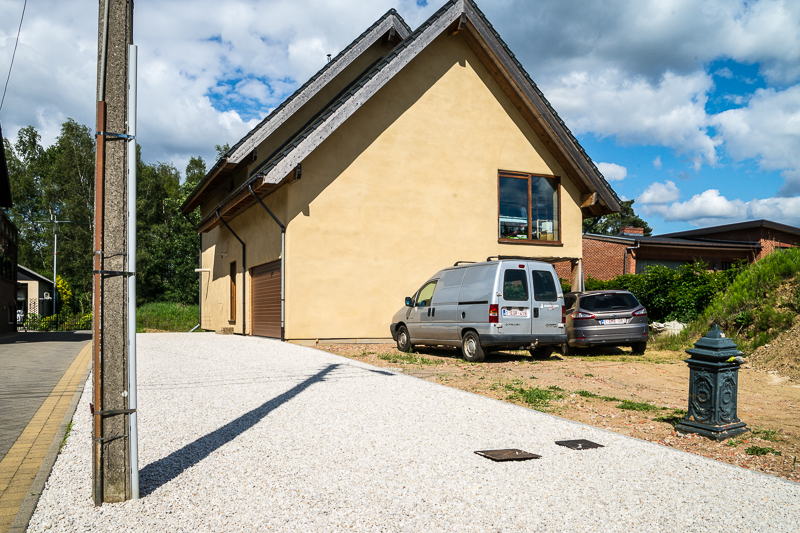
x,y
5,182
26,274
750,224
664,240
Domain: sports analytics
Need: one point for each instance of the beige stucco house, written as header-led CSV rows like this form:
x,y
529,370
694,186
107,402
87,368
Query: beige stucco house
x,y
407,152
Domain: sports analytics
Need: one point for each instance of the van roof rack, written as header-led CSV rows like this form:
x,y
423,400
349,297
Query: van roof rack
x,y
542,259
463,262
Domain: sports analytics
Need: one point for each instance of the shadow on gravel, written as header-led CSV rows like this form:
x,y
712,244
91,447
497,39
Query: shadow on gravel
x,y
168,468
46,336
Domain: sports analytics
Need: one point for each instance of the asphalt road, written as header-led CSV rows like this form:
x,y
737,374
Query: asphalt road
x,y
31,364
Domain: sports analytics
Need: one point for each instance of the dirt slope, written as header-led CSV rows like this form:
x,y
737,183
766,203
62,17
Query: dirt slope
x,y
781,355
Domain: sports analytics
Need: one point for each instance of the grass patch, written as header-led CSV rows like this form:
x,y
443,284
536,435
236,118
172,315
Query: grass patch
x,y
758,450
537,398
408,359
164,316
672,419
630,405
66,434
766,434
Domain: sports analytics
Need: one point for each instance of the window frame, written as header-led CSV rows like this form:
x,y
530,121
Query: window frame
x,y
530,240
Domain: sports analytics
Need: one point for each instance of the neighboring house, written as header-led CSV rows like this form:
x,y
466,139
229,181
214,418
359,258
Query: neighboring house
x,y
720,247
8,251
34,292
407,152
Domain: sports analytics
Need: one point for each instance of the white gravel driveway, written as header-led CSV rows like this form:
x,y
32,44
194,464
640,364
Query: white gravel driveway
x,y
250,434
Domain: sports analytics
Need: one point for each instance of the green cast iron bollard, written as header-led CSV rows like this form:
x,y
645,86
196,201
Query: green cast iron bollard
x,y
713,388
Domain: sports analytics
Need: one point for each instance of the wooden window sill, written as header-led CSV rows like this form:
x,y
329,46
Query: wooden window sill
x,y
531,242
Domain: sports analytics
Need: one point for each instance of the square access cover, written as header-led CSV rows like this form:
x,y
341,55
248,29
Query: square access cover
x,y
579,444
508,455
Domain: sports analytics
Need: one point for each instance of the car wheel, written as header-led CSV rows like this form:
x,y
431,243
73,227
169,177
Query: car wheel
x,y
404,340
639,347
566,349
541,352
471,347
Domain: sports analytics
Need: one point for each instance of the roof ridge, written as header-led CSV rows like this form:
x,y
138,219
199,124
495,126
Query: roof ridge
x,y
542,96
314,77
357,84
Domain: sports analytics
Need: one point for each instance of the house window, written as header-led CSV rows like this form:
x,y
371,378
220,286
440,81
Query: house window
x,y
233,291
528,207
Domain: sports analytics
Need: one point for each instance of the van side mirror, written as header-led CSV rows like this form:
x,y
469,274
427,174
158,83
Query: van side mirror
x,y
409,302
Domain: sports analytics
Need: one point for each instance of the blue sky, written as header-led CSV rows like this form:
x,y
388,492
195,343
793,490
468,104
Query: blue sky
x,y
690,108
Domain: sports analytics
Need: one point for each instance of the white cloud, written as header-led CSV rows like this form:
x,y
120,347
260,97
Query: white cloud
x,y
709,208
670,113
612,171
660,193
657,163
767,130
707,205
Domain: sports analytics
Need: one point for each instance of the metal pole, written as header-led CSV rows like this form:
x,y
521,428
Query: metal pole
x,y
134,430
55,254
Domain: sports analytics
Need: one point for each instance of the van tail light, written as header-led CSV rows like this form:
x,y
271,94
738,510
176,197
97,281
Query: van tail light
x,y
577,315
493,314
640,312
563,315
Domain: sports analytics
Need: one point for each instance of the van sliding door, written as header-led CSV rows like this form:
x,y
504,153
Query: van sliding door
x,y
545,304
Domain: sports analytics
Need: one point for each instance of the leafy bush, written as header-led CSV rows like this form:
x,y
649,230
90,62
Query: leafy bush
x,y
680,294
62,322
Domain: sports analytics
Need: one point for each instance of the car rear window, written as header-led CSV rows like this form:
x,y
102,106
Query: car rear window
x,y
608,302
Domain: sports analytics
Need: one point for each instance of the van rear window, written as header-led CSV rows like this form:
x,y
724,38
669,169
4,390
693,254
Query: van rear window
x,y
515,285
544,288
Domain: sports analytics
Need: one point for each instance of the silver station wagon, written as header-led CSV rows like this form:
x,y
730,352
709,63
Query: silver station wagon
x,y
508,303
605,318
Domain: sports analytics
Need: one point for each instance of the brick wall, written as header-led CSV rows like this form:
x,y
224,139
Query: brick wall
x,y
603,260
770,239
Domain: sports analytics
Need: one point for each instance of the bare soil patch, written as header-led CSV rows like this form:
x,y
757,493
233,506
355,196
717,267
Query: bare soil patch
x,y
641,396
781,355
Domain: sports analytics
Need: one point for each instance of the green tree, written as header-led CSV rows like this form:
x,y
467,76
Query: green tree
x,y
612,224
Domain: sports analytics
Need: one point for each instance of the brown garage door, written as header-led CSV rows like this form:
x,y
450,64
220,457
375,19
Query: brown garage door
x,y
266,299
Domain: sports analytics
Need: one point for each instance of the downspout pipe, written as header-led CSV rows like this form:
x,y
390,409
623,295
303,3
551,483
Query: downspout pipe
x,y
283,257
244,269
625,257
132,386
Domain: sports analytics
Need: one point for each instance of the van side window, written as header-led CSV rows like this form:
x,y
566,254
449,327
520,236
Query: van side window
x,y
515,285
425,295
544,288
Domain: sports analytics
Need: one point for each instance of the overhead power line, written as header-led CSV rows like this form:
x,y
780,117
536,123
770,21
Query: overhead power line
x,y
13,54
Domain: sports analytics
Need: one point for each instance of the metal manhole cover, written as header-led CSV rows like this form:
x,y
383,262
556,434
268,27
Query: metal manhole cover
x,y
579,444
508,455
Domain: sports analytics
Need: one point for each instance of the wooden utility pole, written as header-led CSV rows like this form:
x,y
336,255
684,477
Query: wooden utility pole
x,y
111,468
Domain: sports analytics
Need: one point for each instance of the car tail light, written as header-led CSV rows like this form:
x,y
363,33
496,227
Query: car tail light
x,y
563,315
577,315
640,312
493,314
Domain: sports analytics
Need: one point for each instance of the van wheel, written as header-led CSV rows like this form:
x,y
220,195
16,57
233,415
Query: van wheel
x,y
541,352
566,349
639,347
471,348
404,340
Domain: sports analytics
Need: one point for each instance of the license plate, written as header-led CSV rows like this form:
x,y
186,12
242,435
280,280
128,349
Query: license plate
x,y
614,321
523,313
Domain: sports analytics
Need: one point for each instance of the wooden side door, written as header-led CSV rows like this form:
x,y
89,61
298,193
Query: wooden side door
x,y
266,300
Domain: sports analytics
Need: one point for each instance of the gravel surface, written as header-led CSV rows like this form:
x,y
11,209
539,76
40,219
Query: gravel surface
x,y
244,434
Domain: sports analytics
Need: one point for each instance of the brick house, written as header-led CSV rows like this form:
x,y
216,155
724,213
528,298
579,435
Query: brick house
x,y
607,256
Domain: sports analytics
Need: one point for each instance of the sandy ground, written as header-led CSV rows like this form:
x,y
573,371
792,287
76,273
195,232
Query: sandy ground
x,y
768,402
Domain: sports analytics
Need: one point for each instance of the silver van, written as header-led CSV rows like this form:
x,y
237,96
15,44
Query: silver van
x,y
508,303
